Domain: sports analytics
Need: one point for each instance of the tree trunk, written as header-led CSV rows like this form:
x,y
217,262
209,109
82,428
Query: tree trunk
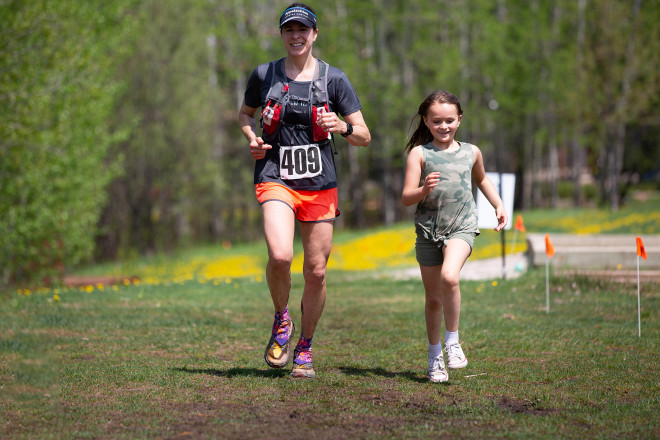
x,y
385,142
579,154
549,109
554,165
619,134
464,49
528,182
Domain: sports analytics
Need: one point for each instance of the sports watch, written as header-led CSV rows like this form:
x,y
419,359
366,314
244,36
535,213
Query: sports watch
x,y
349,130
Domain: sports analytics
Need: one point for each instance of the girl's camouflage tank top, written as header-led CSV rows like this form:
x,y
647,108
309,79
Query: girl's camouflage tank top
x,y
450,208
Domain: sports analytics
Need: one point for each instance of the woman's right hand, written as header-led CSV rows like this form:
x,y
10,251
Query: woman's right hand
x,y
258,148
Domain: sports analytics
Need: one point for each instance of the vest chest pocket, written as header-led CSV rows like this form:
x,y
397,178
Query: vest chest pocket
x,y
300,161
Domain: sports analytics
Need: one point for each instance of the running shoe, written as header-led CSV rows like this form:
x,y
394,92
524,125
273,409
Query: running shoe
x,y
277,353
303,366
437,372
455,357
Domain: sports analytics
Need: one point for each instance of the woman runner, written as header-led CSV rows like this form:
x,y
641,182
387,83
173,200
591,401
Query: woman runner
x,y
301,99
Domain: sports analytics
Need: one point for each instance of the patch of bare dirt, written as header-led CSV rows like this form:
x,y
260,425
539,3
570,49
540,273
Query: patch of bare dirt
x,y
96,280
291,421
523,406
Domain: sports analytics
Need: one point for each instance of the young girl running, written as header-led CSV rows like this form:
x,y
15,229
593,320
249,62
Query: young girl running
x,y
439,171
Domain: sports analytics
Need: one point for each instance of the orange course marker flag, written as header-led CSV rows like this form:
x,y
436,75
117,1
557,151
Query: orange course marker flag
x,y
519,224
641,252
549,248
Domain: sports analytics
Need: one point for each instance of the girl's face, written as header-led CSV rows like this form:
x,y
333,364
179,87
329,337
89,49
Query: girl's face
x,y
442,121
298,38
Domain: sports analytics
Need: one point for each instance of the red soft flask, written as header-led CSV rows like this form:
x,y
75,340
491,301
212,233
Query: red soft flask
x,y
318,131
271,117
271,114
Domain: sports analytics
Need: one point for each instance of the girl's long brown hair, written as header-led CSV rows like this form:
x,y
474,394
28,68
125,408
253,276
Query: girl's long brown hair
x,y
423,135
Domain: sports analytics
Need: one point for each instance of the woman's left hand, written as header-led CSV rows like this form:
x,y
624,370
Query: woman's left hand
x,y
331,123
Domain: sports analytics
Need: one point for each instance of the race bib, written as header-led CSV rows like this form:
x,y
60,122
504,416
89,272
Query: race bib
x,y
300,161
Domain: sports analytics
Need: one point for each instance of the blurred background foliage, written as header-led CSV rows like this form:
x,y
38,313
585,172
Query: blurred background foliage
x,y
119,133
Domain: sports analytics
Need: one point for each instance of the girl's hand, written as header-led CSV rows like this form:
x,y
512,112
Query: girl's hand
x,y
502,219
431,182
258,148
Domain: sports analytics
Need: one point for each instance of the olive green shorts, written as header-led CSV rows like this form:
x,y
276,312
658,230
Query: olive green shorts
x,y
430,253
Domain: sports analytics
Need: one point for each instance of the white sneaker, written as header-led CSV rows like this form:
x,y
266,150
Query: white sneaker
x,y
437,372
455,356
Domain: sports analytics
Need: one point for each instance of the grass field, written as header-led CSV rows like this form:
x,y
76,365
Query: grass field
x,y
381,249
183,359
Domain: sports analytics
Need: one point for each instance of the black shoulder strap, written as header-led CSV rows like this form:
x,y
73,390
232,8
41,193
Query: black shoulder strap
x,y
320,84
277,80
320,92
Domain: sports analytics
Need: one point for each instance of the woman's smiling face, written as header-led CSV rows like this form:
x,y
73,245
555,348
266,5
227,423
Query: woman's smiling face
x,y
298,38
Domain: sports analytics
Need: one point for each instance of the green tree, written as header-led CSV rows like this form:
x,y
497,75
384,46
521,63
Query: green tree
x,y
623,79
551,91
57,92
171,164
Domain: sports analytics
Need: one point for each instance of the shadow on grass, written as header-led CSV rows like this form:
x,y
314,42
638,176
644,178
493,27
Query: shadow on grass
x,y
234,372
273,373
410,375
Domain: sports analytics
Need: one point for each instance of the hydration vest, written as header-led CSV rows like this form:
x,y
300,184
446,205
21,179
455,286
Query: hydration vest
x,y
277,99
